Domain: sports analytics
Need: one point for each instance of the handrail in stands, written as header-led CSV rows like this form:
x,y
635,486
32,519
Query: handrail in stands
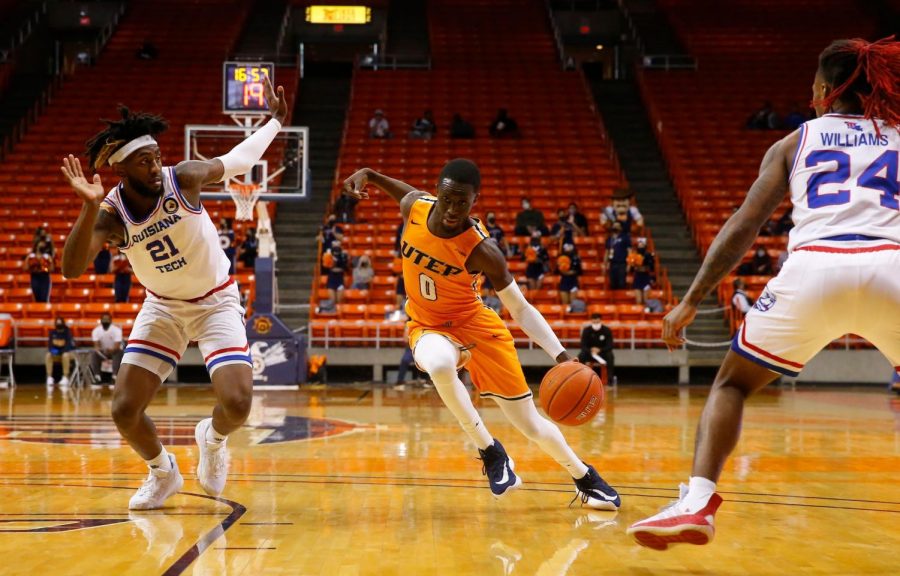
x,y
668,62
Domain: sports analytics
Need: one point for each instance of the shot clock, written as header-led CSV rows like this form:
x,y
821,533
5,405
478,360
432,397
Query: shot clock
x,y
243,91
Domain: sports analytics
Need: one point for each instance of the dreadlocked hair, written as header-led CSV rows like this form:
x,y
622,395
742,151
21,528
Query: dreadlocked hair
x,y
866,74
119,132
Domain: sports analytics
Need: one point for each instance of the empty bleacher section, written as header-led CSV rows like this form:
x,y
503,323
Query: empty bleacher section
x,y
486,55
748,52
182,84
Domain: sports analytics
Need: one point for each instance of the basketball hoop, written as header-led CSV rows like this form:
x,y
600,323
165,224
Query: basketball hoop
x,y
244,197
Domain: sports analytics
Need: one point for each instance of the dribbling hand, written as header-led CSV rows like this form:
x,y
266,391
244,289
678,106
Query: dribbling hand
x,y
355,185
675,321
91,192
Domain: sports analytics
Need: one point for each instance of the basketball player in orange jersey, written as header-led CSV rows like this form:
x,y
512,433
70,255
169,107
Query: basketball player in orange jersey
x,y
444,250
842,275
155,217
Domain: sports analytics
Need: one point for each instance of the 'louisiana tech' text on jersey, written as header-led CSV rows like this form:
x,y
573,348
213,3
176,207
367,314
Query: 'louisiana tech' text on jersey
x,y
844,181
175,250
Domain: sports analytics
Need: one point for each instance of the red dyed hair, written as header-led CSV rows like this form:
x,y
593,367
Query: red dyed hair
x,y
867,73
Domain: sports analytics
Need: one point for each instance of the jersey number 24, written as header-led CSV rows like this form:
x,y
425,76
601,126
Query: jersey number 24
x,y
870,178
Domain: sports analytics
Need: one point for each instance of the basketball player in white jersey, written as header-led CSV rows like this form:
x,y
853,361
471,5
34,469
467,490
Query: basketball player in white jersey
x,y
842,275
155,216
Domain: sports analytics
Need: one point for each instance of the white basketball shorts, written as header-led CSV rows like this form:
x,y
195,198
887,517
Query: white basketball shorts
x,y
824,291
164,328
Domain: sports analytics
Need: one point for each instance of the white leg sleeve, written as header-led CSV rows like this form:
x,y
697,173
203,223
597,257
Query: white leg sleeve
x,y
438,356
525,417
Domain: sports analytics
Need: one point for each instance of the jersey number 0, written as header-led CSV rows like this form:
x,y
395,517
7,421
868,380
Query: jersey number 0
x,y
427,288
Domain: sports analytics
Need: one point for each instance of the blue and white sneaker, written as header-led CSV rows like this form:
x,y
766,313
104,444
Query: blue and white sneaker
x,y
595,492
498,467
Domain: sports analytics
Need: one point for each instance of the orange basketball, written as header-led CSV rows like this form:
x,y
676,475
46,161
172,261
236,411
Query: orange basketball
x,y
564,263
571,393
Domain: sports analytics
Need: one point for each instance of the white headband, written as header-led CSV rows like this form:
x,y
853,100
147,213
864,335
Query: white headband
x,y
126,150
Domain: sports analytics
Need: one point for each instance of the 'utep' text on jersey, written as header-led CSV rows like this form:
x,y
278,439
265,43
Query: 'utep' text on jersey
x,y
439,289
175,250
844,180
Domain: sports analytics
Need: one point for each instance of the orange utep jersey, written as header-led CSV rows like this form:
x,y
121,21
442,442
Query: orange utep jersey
x,y
439,289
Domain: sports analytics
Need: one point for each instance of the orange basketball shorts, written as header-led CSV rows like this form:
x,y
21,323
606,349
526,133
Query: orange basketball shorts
x,y
494,364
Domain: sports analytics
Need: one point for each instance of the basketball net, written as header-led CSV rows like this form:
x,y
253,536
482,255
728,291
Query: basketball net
x,y
244,197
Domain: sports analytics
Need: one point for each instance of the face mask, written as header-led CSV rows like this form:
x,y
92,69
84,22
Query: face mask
x,y
105,325
336,251
60,325
526,205
596,326
490,219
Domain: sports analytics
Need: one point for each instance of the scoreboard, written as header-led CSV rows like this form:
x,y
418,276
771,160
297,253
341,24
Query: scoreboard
x,y
243,90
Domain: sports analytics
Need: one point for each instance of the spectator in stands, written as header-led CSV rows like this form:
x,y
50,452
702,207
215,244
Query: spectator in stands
x,y
568,265
536,258
764,119
563,229
795,118
461,129
102,260
249,249
379,127
618,245
336,262
642,263
59,349
597,347
651,303
40,234
622,211
39,263
363,273
344,208
759,265
503,126
496,232
529,220
107,338
226,241
740,300
331,232
147,51
121,267
578,220
424,128
784,224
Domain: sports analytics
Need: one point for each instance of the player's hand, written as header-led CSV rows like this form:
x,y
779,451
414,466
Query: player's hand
x,y
355,185
276,100
88,191
564,356
675,321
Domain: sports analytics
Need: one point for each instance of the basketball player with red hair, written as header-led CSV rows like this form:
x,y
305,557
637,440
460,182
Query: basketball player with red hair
x,y
841,276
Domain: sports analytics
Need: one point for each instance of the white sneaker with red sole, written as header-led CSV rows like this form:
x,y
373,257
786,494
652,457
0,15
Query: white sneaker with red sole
x,y
676,524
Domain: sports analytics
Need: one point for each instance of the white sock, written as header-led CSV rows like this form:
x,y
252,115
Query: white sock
x,y
525,417
161,462
700,490
213,437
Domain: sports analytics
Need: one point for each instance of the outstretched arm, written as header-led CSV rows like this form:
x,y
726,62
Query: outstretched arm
x,y
194,174
94,225
736,236
400,191
488,259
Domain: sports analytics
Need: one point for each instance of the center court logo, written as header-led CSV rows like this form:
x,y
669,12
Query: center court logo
x,y
766,301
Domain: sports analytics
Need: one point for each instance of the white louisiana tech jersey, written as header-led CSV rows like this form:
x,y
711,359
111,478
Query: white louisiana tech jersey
x,y
174,251
844,181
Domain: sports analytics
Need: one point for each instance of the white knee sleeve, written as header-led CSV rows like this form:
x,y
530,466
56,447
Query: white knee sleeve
x,y
438,356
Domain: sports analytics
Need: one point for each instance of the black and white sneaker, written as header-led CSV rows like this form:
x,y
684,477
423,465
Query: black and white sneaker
x,y
498,467
595,492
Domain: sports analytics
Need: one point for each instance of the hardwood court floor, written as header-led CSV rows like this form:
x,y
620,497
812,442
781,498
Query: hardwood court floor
x,y
368,480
